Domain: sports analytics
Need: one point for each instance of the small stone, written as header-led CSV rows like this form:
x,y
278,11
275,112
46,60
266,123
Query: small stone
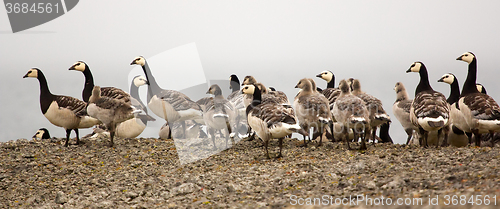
x,y
61,198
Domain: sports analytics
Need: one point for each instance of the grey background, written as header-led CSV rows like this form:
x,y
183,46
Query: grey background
x,y
279,42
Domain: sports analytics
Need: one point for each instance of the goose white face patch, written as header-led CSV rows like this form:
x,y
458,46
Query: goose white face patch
x,y
140,80
415,67
448,78
479,87
33,73
327,76
467,57
139,61
80,66
248,89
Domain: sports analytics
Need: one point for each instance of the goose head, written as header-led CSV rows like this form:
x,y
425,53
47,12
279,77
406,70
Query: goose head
x,y
399,87
215,90
481,88
138,61
326,75
248,89
447,78
33,73
249,80
42,133
467,57
140,80
233,79
304,84
415,67
344,86
80,66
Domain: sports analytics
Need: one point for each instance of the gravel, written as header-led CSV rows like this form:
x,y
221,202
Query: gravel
x,y
147,173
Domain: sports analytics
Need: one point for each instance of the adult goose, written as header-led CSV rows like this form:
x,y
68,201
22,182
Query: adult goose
x,y
269,120
456,136
482,113
133,127
63,111
219,114
429,110
378,116
41,134
237,99
170,105
312,108
401,109
351,111
111,92
110,111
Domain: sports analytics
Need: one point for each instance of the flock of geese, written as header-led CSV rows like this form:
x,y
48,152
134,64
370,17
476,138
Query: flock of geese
x,y
343,113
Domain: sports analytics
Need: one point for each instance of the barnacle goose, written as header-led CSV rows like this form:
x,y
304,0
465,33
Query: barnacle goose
x,y
269,120
401,109
112,92
351,111
429,110
41,134
63,111
482,113
109,110
170,105
456,137
237,99
312,108
378,116
133,127
219,114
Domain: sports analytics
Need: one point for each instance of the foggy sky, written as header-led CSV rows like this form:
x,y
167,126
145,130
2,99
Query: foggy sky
x,y
278,42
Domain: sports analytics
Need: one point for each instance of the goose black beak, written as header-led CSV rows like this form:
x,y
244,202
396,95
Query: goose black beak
x,y
319,75
297,86
460,58
133,63
72,68
409,70
441,80
25,76
147,82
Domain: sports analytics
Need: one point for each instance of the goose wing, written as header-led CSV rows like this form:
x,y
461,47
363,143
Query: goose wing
x,y
79,107
482,106
115,93
273,114
431,104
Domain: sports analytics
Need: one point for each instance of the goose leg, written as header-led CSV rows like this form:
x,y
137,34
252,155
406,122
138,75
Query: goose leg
x,y
440,131
346,136
374,133
280,140
422,137
363,139
331,130
77,136
68,133
212,134
111,135
426,135
320,136
409,132
477,137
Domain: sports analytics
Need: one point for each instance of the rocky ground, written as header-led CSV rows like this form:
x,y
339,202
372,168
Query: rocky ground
x,y
147,173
